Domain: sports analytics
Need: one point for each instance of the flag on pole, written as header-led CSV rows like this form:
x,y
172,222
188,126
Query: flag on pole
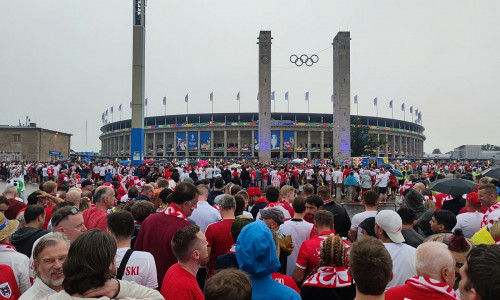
x,y
375,101
272,95
130,104
111,109
211,96
165,100
390,104
146,102
356,99
307,96
331,98
286,96
103,117
403,107
416,112
120,108
420,116
186,99
411,109
258,96
238,97
106,112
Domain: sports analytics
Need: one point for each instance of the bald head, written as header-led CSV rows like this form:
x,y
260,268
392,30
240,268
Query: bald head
x,y
74,197
434,260
419,186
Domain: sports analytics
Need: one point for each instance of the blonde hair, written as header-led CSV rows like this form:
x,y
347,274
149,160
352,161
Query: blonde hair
x,y
495,230
285,190
429,204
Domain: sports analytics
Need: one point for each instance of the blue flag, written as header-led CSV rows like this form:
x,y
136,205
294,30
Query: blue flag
x,y
258,96
403,107
130,104
411,109
111,109
272,95
307,96
286,96
375,101
146,102
186,99
416,112
390,104
120,108
331,98
165,100
211,96
238,97
356,99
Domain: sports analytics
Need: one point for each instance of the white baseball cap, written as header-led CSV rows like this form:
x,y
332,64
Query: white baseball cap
x,y
391,223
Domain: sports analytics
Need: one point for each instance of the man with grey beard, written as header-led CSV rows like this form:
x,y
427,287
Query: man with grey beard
x,y
49,255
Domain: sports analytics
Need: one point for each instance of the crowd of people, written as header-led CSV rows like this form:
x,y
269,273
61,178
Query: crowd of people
x,y
247,231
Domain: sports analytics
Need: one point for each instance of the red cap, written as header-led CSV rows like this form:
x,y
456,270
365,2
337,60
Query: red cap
x,y
254,191
473,198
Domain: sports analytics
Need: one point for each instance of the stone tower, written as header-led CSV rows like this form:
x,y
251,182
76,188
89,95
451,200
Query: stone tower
x,y
342,96
265,95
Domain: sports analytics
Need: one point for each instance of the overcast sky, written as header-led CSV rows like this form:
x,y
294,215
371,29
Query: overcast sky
x,y
65,62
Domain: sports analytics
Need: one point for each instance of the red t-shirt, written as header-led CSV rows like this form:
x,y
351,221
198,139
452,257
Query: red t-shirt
x,y
308,257
48,216
220,240
155,236
15,207
8,283
285,280
414,292
180,284
264,174
95,218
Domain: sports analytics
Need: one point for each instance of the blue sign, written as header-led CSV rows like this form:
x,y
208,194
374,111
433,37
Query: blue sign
x,y
205,140
288,140
193,141
54,152
256,140
180,141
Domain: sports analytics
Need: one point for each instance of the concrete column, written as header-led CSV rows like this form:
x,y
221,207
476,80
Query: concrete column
x,y
406,146
212,140
199,144
225,143
378,148
265,95
239,142
309,144
281,144
145,143
295,144
322,144
174,145
120,144
164,144
394,146
154,143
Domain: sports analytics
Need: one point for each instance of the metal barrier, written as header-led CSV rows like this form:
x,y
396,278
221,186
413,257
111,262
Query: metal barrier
x,y
357,207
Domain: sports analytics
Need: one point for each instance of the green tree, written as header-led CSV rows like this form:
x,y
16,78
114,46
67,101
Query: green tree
x,y
436,151
490,147
362,143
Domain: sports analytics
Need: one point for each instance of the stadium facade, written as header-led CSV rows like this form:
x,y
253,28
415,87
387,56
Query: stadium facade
x,y
235,135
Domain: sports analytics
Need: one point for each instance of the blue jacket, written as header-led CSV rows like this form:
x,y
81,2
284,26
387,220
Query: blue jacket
x,y
256,255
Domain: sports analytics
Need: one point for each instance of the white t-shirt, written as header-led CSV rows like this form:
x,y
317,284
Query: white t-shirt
x,y
403,263
360,217
141,267
337,176
382,180
469,222
204,214
210,173
299,230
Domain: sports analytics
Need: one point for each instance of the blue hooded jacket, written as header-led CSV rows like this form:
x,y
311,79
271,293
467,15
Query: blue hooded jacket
x,y
256,255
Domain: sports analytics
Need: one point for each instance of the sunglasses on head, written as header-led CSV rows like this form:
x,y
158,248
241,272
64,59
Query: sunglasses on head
x,y
72,211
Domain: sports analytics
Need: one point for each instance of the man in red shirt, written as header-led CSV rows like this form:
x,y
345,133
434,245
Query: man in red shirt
x,y
15,206
308,257
435,278
219,233
158,229
190,248
95,217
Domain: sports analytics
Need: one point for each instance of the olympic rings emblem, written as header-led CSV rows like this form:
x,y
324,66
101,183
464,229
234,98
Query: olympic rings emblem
x,y
304,60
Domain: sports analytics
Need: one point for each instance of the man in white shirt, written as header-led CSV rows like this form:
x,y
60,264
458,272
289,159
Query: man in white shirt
x,y
470,221
49,256
370,201
204,214
381,181
338,180
298,229
388,226
139,266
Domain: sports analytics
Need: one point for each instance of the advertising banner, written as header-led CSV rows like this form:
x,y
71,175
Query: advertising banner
x,y
205,140
275,140
193,141
256,140
288,140
180,141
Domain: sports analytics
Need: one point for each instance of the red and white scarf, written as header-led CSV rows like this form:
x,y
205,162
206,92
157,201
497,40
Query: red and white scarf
x,y
488,212
273,204
174,211
6,247
330,277
432,284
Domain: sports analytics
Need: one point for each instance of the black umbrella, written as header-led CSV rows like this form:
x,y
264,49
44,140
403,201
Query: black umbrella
x,y
387,166
453,186
492,172
101,161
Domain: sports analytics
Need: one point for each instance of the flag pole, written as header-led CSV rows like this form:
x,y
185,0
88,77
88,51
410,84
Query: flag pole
x,y
392,109
187,110
288,105
357,108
